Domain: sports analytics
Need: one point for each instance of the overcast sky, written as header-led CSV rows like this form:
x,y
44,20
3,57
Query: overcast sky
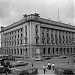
x,y
13,10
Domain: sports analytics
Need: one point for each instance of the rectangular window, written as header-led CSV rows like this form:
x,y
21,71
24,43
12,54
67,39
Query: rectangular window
x,y
43,40
12,43
52,39
21,51
25,30
18,43
15,31
21,29
21,42
56,39
17,51
18,31
36,41
36,26
21,35
15,42
12,51
10,37
18,35
15,36
25,41
36,33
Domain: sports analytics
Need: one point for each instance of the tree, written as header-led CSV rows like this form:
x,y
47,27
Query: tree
x,y
24,73
6,67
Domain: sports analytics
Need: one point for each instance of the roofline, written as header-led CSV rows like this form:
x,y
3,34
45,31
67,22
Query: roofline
x,y
33,17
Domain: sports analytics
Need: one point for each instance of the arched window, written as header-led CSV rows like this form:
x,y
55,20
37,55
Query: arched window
x,y
53,50
71,50
57,50
43,50
26,49
67,50
48,50
21,50
17,51
7,51
64,50
12,51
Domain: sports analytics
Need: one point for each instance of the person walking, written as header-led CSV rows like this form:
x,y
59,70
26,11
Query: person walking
x,y
49,65
53,66
32,64
44,68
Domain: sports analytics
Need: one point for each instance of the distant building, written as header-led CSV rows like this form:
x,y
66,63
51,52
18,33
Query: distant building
x,y
33,35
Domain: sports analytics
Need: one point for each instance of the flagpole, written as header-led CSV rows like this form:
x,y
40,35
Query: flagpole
x,y
58,10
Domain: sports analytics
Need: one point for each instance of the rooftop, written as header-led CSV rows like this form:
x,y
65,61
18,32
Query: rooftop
x,y
36,17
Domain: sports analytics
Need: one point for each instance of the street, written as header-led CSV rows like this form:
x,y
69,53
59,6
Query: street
x,y
39,64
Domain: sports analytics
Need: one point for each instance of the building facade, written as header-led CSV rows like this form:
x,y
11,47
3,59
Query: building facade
x,y
32,34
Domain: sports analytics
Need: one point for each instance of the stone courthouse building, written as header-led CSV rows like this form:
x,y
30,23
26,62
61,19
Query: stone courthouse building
x,y
34,34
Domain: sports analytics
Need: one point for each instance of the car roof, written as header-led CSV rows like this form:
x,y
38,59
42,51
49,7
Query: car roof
x,y
19,61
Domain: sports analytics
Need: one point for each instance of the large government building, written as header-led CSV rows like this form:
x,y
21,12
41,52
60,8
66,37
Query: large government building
x,y
34,35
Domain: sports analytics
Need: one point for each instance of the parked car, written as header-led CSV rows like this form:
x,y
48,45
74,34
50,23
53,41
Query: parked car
x,y
62,57
73,55
1,68
1,60
38,59
47,58
1,56
8,57
20,63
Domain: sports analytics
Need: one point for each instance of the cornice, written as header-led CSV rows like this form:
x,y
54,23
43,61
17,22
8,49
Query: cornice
x,y
36,18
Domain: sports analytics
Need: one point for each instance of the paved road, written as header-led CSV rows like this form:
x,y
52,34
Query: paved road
x,y
39,65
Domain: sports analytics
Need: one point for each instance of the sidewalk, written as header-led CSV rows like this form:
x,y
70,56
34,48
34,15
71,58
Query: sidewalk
x,y
49,72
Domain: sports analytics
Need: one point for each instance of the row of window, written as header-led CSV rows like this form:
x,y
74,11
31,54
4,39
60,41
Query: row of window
x,y
14,32
58,50
36,34
14,37
15,51
11,37
13,43
56,38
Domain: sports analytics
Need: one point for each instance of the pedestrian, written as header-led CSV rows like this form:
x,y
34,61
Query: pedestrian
x,y
68,62
32,64
13,71
53,66
49,65
44,68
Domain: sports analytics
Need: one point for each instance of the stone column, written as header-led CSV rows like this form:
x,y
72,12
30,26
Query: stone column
x,y
65,37
58,36
71,38
50,35
54,36
62,37
68,37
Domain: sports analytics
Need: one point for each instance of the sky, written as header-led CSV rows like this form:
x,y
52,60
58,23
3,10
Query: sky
x,y
13,10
